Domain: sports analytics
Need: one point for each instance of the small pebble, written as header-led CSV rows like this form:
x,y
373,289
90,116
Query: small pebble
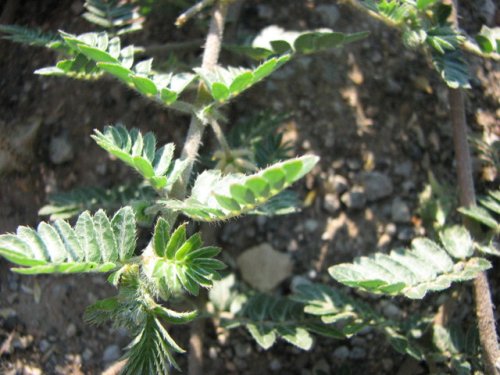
x,y
60,150
354,199
87,355
404,169
392,311
275,365
311,225
400,212
329,14
341,353
376,186
405,234
111,353
331,203
44,345
71,330
242,349
358,353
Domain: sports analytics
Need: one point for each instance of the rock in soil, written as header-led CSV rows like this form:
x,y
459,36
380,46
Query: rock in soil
x,y
263,267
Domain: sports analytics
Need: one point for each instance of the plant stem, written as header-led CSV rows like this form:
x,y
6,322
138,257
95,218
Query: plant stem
x,y
482,294
219,134
191,12
196,127
467,196
190,153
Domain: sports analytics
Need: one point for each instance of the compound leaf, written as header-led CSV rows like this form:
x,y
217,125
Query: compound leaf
x,y
91,246
426,267
216,197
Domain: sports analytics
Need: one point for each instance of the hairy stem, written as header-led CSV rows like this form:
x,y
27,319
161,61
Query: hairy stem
x,y
191,12
219,134
190,152
482,294
196,127
195,357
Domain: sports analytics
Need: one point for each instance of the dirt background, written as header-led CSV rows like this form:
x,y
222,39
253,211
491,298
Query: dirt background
x,y
370,107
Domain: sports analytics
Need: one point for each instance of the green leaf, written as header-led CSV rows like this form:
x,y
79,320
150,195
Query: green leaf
x,y
123,224
168,96
86,234
241,82
193,243
182,263
96,54
163,158
220,92
174,317
91,246
457,241
145,85
227,203
216,197
176,241
139,152
105,237
412,273
117,70
161,236
480,215
423,4
452,68
264,336
144,167
242,194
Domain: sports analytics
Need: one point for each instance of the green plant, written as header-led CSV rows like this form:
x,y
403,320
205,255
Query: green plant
x,y
174,264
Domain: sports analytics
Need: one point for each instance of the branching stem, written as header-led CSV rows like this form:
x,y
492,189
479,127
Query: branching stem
x,y
219,134
196,127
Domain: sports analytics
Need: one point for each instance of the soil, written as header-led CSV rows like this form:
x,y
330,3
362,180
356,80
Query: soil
x,y
372,106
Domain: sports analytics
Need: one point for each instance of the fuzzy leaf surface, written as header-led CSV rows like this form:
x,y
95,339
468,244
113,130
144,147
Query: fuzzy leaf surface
x,y
140,153
216,197
176,262
412,273
94,244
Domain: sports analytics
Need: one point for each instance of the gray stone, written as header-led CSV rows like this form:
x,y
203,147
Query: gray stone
x,y
329,14
376,185
358,353
275,365
331,203
404,169
321,367
44,345
355,199
405,234
391,311
265,11
71,330
111,353
60,150
336,184
310,225
487,9
242,349
400,212
341,353
263,267
354,164
87,354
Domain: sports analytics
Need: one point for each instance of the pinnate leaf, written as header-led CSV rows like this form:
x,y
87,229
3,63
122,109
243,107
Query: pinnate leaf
x,y
216,197
94,245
